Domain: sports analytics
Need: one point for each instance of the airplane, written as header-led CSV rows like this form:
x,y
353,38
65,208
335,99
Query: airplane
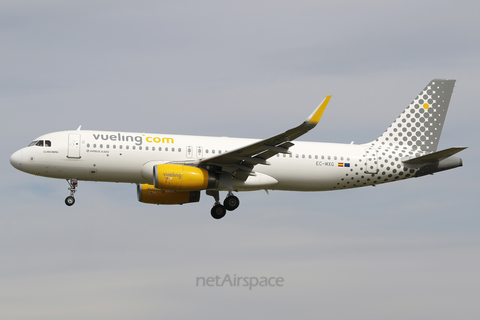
x,y
174,169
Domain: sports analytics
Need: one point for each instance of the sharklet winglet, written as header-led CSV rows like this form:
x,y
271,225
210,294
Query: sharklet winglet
x,y
317,114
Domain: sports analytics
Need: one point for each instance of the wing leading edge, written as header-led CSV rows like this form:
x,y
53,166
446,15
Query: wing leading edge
x,y
240,162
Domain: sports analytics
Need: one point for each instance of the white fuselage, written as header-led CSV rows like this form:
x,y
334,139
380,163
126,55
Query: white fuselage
x,y
129,157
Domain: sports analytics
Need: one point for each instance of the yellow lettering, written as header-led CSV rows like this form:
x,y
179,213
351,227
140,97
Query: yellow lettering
x,y
159,140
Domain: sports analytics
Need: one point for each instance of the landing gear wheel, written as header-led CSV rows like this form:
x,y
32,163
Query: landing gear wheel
x,y
69,201
218,211
231,203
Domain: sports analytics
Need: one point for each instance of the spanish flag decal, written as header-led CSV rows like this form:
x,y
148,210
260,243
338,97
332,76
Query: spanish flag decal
x,y
340,164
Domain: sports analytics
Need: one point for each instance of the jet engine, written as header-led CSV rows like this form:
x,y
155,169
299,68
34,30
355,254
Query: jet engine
x,y
147,193
185,178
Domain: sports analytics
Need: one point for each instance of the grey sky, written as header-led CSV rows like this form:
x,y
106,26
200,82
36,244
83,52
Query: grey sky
x,y
407,250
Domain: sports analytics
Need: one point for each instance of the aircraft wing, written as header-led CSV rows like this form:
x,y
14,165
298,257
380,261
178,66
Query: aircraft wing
x,y
240,162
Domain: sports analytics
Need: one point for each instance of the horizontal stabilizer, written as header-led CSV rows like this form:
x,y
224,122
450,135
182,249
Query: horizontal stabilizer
x,y
433,157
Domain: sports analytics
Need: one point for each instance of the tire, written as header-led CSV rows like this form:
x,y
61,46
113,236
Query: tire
x,y
69,201
218,211
231,203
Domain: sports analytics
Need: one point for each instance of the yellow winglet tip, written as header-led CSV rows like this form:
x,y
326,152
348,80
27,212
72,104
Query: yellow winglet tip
x,y
317,114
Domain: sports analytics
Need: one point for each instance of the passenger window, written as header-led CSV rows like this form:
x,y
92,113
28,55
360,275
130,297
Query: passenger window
x,y
179,149
126,147
133,147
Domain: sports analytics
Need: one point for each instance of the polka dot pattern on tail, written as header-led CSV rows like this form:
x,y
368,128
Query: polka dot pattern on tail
x,y
419,126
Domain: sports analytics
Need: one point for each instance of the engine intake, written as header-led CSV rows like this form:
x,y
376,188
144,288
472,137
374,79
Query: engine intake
x,y
147,193
180,177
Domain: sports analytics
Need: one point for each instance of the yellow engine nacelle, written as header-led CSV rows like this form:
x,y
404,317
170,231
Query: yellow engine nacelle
x,y
147,193
179,177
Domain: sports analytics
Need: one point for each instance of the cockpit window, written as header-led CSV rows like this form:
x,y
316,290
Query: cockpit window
x,y
41,143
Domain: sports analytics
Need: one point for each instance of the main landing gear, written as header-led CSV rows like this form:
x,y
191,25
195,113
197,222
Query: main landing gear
x,y
230,203
70,200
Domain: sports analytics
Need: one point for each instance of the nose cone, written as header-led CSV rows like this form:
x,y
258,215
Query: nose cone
x,y
16,159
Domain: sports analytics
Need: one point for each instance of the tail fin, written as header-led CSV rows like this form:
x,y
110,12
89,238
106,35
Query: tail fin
x,y
420,124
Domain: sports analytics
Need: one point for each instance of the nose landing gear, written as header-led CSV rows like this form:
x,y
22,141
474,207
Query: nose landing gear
x,y
70,200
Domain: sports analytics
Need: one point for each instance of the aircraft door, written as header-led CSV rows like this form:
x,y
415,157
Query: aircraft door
x,y
371,165
73,146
